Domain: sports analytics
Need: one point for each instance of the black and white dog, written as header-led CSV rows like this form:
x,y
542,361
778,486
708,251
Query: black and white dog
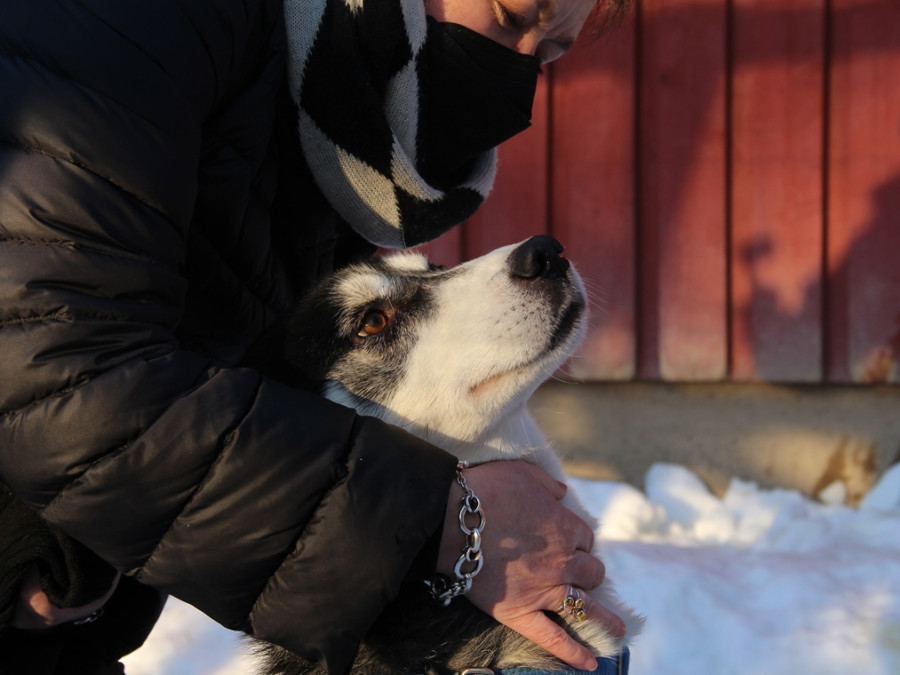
x,y
452,356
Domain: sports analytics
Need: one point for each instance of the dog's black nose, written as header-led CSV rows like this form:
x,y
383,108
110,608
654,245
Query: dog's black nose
x,y
538,258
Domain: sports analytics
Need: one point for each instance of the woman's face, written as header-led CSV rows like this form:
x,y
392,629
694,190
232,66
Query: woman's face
x,y
543,28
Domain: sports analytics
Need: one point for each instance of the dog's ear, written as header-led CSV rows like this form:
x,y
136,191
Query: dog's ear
x,y
407,261
300,348
269,355
312,342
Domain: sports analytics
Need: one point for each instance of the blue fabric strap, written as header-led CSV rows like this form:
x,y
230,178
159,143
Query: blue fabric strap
x,y
613,666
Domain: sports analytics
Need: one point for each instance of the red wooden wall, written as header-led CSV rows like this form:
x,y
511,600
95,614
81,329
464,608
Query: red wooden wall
x,y
726,175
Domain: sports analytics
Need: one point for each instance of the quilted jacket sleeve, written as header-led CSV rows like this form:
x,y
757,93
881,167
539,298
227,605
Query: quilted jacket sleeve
x,y
262,505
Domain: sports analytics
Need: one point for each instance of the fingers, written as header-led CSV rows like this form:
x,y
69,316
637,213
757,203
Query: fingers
x,y
34,611
540,629
578,605
534,547
584,571
100,602
612,622
584,535
556,488
86,613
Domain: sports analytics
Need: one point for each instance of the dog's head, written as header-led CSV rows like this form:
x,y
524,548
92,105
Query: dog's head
x,y
446,354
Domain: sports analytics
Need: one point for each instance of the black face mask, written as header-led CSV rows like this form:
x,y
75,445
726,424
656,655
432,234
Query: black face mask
x,y
474,94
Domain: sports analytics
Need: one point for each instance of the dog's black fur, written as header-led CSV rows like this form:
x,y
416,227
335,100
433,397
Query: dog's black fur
x,y
416,636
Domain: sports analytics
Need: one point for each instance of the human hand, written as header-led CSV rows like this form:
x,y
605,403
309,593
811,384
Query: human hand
x,y
533,549
34,611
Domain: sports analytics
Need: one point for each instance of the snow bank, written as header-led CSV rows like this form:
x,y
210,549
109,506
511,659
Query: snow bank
x,y
760,581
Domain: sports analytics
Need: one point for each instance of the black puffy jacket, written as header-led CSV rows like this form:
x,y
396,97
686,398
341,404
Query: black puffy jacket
x,y
155,219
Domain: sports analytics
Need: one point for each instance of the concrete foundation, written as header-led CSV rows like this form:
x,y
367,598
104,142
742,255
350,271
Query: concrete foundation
x,y
827,442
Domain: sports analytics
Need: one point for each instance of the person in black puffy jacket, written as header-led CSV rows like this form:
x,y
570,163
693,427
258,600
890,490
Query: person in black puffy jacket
x,y
173,174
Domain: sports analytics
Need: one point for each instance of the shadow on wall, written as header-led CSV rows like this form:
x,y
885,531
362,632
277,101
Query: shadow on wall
x,y
861,310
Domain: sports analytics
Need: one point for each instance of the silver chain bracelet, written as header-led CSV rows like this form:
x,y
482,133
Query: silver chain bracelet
x,y
443,588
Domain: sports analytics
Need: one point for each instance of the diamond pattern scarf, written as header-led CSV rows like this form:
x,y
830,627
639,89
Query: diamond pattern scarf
x,y
354,68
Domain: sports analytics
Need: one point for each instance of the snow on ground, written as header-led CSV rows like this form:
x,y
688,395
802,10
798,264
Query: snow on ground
x,y
761,581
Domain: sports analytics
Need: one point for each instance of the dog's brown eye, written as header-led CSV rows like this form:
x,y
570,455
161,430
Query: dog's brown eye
x,y
372,324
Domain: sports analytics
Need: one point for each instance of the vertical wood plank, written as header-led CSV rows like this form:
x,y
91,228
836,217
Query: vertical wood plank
x,y
682,190
517,206
592,192
776,189
864,192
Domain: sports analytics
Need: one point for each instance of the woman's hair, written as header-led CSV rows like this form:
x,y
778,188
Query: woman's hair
x,y
606,15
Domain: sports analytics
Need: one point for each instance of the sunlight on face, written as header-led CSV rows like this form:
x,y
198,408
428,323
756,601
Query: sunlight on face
x,y
543,28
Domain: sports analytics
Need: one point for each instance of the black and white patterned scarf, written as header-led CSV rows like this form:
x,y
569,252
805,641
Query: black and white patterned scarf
x,y
354,74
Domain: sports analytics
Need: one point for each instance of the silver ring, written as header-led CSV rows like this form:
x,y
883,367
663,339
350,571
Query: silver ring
x,y
573,604
90,618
